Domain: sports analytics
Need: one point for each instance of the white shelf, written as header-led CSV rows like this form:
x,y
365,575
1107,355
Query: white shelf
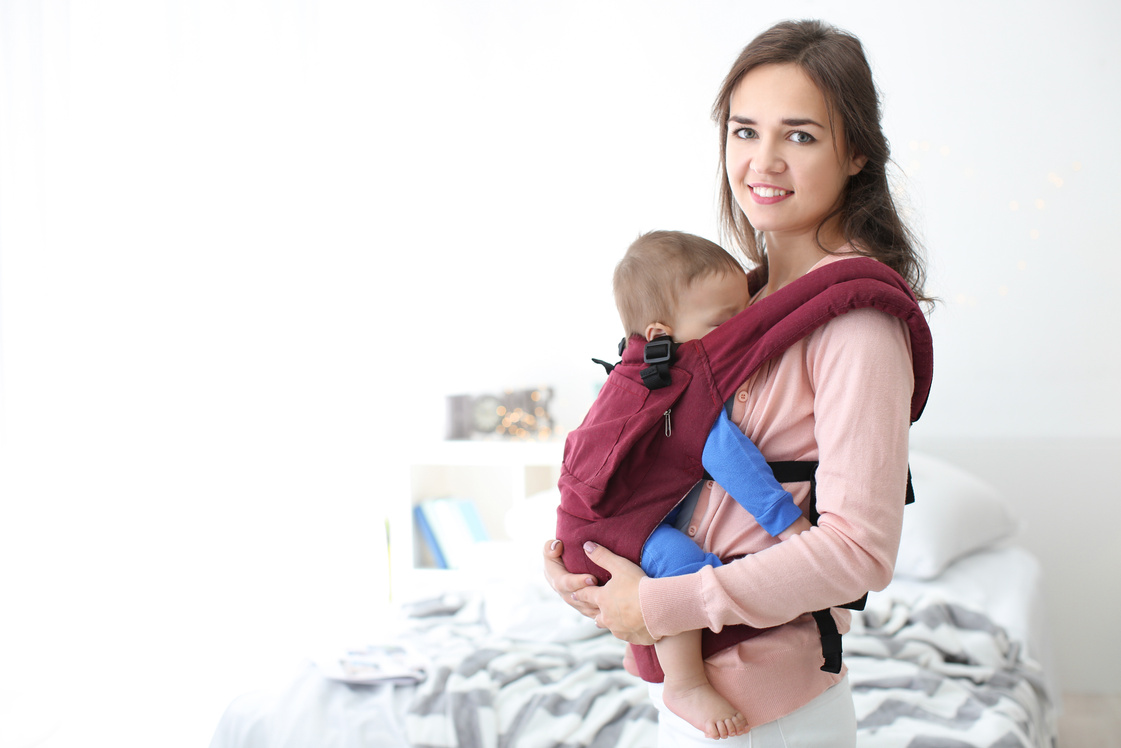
x,y
495,475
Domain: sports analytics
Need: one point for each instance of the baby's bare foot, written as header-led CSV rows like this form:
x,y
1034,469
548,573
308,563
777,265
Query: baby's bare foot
x,y
701,706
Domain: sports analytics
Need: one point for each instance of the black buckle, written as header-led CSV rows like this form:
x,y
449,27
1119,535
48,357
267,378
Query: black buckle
x,y
606,366
660,350
659,354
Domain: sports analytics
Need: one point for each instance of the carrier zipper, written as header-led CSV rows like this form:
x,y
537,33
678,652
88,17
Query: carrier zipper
x,y
669,426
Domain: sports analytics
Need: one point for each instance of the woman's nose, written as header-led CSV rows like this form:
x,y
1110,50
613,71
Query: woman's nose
x,y
767,159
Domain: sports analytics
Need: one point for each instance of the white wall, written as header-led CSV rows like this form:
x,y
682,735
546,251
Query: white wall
x,y
1069,520
241,249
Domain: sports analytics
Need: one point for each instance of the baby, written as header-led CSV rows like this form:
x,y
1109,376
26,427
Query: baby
x,y
682,286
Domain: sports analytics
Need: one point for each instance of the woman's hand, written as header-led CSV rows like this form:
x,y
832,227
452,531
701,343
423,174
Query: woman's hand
x,y
565,584
617,601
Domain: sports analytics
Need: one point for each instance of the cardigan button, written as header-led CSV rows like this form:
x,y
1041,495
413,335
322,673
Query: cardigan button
x,y
692,530
709,483
742,397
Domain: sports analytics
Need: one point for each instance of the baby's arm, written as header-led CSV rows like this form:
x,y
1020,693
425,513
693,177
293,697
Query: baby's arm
x,y
738,465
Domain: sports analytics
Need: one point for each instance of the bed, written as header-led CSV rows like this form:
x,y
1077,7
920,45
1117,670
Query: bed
x,y
953,653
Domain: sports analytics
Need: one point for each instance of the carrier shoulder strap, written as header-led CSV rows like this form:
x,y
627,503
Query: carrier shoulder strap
x,y
778,321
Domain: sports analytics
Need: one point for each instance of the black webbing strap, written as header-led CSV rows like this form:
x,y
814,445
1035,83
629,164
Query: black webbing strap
x,y
830,640
806,472
656,377
611,367
796,471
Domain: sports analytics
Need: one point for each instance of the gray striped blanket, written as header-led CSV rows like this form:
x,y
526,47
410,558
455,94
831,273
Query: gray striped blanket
x,y
490,691
929,676
936,675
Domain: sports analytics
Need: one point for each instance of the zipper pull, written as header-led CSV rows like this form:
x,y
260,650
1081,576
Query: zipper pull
x,y
669,426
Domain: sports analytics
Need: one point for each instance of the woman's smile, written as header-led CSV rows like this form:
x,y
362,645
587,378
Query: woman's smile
x,y
767,195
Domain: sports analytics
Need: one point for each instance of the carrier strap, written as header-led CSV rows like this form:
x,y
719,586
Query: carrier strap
x,y
830,640
804,471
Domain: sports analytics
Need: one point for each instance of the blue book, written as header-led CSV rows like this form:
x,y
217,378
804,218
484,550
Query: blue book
x,y
451,527
429,536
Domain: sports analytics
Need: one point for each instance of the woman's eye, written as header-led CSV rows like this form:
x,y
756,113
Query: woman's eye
x,y
744,133
801,137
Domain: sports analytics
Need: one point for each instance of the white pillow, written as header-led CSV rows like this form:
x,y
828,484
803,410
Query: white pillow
x,y
955,513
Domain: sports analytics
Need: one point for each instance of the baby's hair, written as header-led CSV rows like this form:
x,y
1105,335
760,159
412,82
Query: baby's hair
x,y
656,268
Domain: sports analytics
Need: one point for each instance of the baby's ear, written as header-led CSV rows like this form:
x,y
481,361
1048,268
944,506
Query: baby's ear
x,y
656,329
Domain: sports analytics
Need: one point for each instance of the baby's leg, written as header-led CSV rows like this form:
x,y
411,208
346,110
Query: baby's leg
x,y
629,663
687,692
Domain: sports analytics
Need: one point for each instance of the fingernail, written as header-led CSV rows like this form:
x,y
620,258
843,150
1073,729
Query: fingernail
x,y
553,547
589,581
590,547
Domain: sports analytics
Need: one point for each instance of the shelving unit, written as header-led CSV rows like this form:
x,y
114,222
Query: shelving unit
x,y
495,475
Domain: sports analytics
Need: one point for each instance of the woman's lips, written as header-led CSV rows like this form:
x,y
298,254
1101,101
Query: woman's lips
x,y
766,194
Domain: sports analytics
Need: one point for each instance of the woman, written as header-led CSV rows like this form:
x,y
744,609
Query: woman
x,y
805,161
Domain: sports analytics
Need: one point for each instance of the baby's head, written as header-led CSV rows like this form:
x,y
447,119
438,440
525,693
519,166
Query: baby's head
x,y
677,284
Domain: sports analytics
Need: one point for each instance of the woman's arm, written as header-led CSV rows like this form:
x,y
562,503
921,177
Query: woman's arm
x,y
859,373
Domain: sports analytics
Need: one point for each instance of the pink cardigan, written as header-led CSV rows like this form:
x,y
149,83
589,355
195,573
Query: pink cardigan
x,y
841,396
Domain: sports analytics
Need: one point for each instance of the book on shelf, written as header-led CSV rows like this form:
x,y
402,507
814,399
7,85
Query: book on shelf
x,y
451,527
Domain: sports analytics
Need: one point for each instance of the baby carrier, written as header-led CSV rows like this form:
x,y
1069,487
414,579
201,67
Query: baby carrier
x,y
637,453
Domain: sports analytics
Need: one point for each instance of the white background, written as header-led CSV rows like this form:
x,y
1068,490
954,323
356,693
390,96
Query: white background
x,y
245,251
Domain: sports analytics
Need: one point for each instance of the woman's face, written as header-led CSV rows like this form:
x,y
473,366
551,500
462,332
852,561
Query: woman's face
x,y
786,167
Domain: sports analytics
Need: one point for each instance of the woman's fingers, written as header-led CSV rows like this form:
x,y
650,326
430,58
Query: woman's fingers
x,y
557,575
613,563
566,584
616,601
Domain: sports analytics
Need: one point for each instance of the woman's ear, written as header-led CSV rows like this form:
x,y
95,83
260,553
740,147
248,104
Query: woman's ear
x,y
856,163
656,329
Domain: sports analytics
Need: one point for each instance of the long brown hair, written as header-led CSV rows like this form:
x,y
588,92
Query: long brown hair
x,y
834,60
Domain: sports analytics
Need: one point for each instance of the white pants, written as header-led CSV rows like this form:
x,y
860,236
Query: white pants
x,y
829,721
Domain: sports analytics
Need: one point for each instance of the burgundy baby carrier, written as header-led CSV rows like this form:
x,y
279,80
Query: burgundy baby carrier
x,y
637,453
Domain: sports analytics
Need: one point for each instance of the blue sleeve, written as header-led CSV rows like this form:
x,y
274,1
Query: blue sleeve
x,y
671,553
738,465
